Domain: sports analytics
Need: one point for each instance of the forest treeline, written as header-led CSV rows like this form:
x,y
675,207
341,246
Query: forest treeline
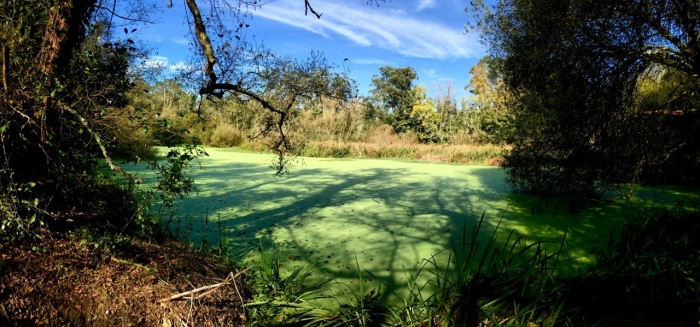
x,y
397,118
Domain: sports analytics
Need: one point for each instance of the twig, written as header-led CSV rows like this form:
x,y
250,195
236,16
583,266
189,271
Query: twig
x,y
242,315
203,288
5,65
237,292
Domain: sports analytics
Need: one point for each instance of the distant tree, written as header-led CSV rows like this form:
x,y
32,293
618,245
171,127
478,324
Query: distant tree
x,y
391,89
446,106
489,100
424,116
574,69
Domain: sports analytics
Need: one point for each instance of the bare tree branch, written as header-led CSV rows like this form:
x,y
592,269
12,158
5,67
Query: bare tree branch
x,y
98,140
308,7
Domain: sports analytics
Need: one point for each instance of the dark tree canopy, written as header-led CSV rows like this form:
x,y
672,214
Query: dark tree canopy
x,y
575,68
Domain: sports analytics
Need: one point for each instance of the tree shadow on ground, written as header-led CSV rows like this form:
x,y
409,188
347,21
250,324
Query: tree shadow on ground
x,y
391,217
388,215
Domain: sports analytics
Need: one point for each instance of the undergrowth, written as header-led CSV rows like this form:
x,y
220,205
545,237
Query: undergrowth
x,y
648,276
487,154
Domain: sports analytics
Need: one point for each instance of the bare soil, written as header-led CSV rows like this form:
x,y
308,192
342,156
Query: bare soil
x,y
67,281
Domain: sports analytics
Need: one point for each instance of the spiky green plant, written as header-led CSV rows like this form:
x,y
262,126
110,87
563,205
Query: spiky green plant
x,y
515,284
348,307
282,299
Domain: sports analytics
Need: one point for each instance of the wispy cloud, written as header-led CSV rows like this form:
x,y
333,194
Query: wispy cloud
x,y
369,61
180,40
425,4
409,36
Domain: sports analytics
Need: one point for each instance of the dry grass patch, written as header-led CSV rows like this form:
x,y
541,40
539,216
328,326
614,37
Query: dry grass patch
x,y
487,154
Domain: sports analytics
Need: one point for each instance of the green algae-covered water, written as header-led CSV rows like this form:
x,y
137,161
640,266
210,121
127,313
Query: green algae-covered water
x,y
388,214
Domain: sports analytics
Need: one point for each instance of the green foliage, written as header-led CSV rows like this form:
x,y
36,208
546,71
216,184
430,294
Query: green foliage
x,y
391,90
424,116
12,224
649,273
173,181
280,300
492,116
57,119
296,299
510,285
350,307
575,71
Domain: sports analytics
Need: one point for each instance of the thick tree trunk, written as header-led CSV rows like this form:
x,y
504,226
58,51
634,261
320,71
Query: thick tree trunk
x,y
64,32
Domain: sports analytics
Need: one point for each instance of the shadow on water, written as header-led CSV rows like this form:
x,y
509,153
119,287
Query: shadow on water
x,y
389,214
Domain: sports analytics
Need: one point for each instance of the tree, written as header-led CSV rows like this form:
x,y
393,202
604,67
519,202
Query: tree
x,y
446,108
489,99
65,75
574,69
391,89
59,110
424,116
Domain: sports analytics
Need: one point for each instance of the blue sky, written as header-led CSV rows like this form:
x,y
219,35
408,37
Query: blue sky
x,y
428,35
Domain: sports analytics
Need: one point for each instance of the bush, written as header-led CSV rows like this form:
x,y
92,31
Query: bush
x,y
648,276
225,136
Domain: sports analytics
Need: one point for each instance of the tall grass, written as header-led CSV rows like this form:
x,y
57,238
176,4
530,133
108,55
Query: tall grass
x,y
486,154
485,284
379,143
513,284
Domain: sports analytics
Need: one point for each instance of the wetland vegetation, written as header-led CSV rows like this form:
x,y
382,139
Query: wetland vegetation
x,y
255,188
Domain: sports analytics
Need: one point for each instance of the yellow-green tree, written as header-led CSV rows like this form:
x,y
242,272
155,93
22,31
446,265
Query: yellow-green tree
x,y
489,100
424,116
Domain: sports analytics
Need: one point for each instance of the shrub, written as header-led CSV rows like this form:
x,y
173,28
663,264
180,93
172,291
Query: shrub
x,y
648,276
225,136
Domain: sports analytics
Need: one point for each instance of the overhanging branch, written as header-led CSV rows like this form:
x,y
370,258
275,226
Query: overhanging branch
x,y
98,140
308,8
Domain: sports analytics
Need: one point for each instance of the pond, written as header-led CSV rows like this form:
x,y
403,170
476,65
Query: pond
x,y
389,215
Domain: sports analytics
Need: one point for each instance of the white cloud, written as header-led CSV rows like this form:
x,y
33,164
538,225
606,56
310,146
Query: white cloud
x,y
180,65
370,61
406,35
155,62
181,40
425,4
160,62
